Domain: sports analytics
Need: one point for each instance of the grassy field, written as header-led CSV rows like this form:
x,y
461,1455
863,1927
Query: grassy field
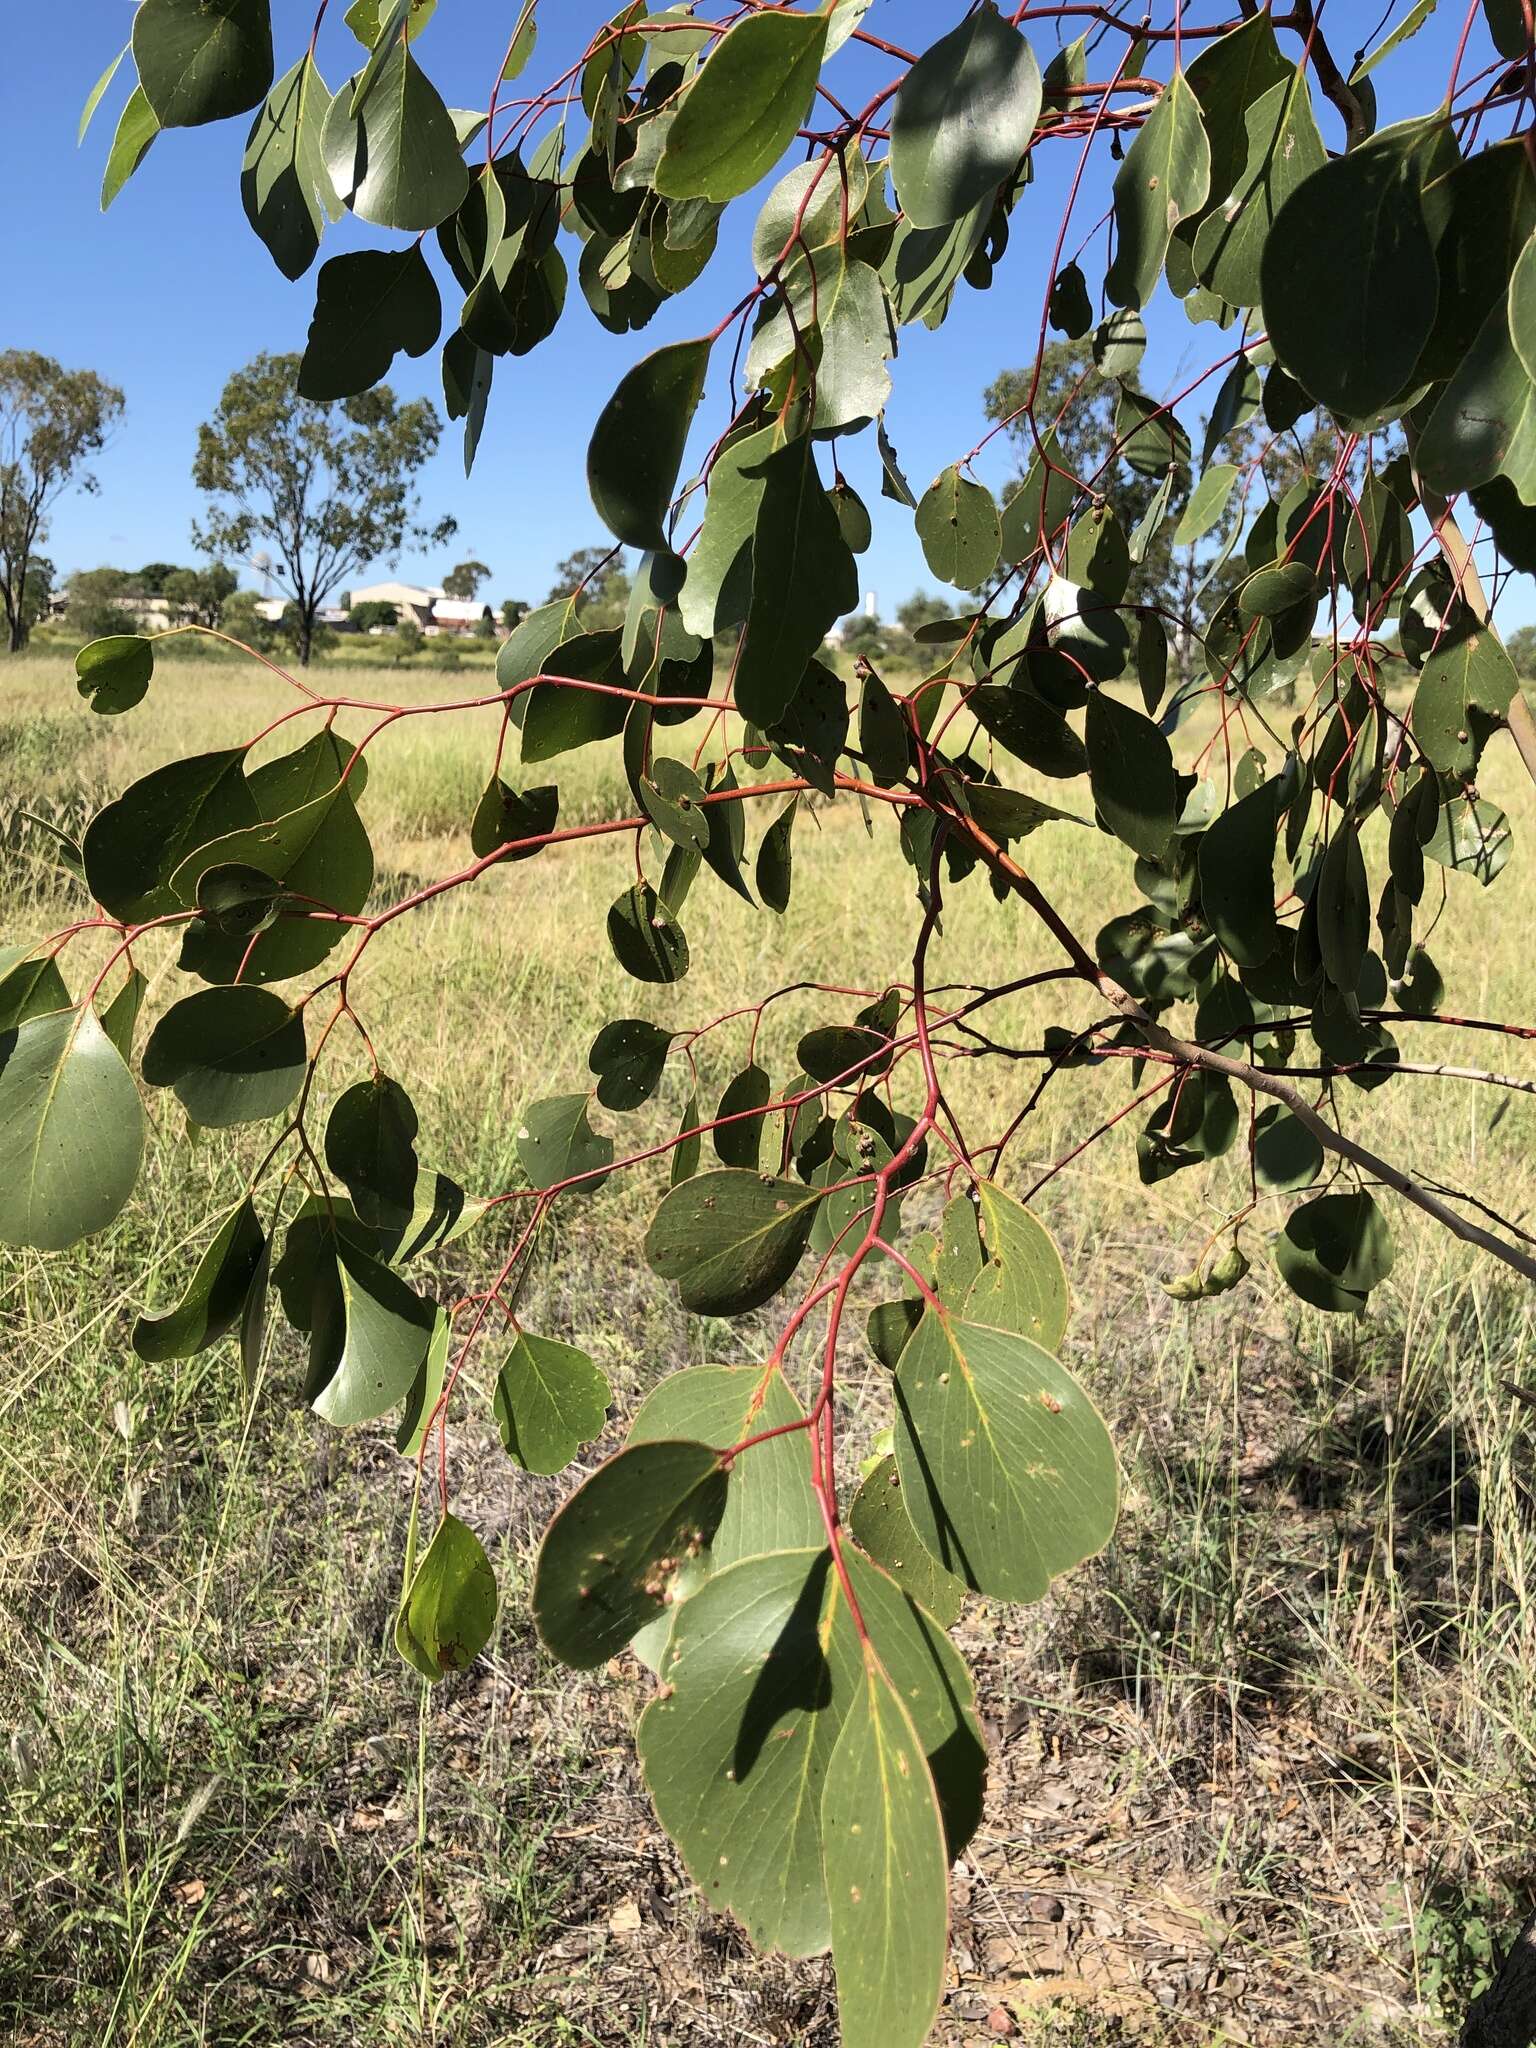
x,y
1262,1772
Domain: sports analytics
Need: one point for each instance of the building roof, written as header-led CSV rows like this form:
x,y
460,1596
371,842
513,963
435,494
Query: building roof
x,y
460,610
395,593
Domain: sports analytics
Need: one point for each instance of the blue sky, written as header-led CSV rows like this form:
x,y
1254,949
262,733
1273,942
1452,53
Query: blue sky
x,y
171,291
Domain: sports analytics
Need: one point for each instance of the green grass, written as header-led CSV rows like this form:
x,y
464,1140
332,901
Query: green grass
x,y
1298,1689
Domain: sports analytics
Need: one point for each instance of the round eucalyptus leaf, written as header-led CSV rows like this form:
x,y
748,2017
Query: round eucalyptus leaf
x,y
114,673
232,1055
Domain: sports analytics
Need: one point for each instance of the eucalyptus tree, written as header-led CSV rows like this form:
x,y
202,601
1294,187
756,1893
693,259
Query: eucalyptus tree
x,y
52,421
814,1745
325,479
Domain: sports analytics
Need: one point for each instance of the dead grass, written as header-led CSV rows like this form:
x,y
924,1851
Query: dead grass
x,y
1260,1773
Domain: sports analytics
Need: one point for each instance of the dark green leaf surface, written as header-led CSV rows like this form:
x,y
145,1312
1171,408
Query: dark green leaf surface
x,y
803,579
232,1055
609,1558
730,1239
1166,177
628,1057
114,673
1132,773
957,523
202,60
555,1142
1237,877
637,445
369,304
1021,1283
284,184
215,1297
879,1523
370,1146
1334,1250
739,1140
1348,275
647,939
396,162
370,1338
771,1504
762,1669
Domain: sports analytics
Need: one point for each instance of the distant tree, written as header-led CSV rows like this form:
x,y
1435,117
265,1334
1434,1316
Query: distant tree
x,y
408,641
601,583
512,610
95,605
52,420
864,635
372,613
464,580
922,608
37,589
485,629
1521,648
151,579
327,485
242,622
197,597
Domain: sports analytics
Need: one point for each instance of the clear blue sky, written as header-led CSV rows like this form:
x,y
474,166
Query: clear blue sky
x,y
171,291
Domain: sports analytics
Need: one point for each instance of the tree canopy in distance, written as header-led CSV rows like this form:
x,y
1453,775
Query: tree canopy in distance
x,y
1365,302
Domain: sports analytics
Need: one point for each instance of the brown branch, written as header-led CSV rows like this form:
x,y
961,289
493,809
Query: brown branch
x,y
1257,1079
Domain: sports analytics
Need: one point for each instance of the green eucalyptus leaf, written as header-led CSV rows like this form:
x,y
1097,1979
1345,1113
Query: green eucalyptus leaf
x,y
628,1057
370,1336
555,1142
637,445
963,118
738,1132
1334,1250
730,1238
114,673
449,1609
1348,275
370,1146
71,1130
879,1523
1166,176
609,1559
202,60
215,1297
369,304
761,1672
646,938
887,1875
1465,690
957,524
136,129
1132,774
395,160
232,1055
803,579
284,185
741,112
550,1400
1007,1470
775,858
